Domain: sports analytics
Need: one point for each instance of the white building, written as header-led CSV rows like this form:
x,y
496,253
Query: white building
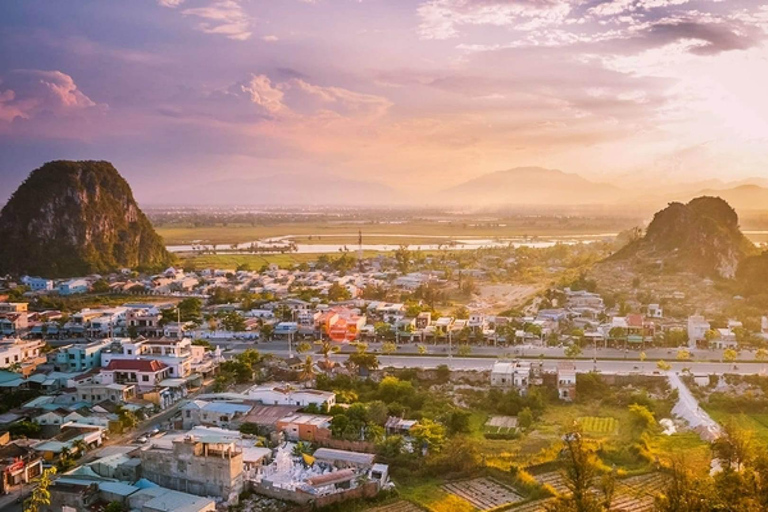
x,y
282,394
697,329
512,374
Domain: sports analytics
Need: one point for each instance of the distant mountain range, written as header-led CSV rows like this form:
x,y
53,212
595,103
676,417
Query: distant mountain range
x,y
531,186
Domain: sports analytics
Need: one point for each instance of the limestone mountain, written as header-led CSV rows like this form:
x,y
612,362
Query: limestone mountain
x,y
702,236
76,218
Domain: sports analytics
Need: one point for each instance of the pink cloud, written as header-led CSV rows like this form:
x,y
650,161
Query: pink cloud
x,y
31,93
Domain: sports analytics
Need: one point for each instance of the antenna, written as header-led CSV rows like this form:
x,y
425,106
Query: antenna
x,y
360,249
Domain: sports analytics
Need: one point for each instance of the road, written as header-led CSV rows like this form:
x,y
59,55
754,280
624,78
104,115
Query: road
x,y
525,351
688,408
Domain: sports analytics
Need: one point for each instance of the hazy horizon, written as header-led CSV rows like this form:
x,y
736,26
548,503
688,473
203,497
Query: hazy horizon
x,y
384,98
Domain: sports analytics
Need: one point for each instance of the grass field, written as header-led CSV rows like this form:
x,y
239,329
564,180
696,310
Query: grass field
x,y
255,261
597,425
413,232
430,495
755,422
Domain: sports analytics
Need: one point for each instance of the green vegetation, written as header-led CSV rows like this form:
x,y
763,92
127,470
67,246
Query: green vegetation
x,y
76,218
595,425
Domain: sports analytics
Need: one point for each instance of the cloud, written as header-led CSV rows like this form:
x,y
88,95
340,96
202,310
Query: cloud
x,y
222,17
441,19
30,93
264,94
297,98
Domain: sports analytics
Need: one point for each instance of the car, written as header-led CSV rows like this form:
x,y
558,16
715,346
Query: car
x,y
153,432
142,439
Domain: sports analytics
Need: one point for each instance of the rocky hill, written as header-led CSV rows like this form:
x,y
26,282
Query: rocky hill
x,y
76,218
702,236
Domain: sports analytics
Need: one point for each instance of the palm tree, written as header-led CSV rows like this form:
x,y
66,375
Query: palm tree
x,y
326,348
307,370
80,446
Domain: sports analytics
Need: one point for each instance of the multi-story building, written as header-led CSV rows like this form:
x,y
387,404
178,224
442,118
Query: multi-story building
x,y
145,374
20,352
282,394
215,414
78,357
511,374
205,466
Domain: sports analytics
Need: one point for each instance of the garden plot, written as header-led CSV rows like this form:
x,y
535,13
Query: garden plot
x,y
553,479
597,425
398,506
483,493
637,493
501,425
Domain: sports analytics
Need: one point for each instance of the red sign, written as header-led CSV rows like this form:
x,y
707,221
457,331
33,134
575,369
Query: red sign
x,y
16,466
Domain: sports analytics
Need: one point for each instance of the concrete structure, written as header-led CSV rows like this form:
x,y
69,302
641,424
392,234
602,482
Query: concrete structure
x,y
38,284
511,374
305,427
78,358
217,414
282,394
205,466
697,329
146,375
566,381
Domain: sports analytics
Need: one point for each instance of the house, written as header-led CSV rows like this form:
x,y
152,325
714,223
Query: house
x,y
38,284
216,414
566,381
73,287
655,311
116,393
19,464
515,374
145,374
697,329
305,427
282,394
78,358
17,352
399,426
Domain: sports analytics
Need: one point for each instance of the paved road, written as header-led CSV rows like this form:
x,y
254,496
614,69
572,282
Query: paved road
x,y
687,407
667,354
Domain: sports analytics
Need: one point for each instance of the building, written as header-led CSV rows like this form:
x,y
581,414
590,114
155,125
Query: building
x,y
305,427
145,374
515,374
38,284
78,358
566,381
202,465
697,330
21,352
116,393
19,464
216,414
73,287
283,394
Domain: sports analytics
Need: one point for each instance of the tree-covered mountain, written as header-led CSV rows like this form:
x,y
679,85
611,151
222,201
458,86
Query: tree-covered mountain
x,y
75,218
702,236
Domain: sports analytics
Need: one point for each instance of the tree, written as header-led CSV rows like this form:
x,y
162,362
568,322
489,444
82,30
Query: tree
x,y
388,348
423,349
307,370
683,354
338,293
363,361
100,286
643,357
572,351
663,365
429,434
327,348
266,332
403,259
581,473
525,418
761,354
303,347
641,419
378,412
41,496
730,355
464,350
233,322
683,492
80,446
114,506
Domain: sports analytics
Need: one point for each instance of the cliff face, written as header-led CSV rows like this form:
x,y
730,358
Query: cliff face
x,y
702,236
76,218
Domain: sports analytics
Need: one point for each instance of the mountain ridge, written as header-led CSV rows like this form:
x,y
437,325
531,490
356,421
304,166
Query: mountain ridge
x,y
72,218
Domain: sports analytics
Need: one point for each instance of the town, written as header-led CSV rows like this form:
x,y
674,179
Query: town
x,y
316,384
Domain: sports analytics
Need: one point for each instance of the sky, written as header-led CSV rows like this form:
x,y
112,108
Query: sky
x,y
413,95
